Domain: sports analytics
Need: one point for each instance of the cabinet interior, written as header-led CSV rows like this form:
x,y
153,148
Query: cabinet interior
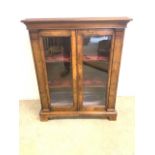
x,y
96,51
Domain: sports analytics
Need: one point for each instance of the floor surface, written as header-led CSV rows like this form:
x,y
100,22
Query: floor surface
x,y
77,136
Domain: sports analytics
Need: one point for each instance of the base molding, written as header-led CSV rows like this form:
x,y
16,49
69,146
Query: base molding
x,y
45,116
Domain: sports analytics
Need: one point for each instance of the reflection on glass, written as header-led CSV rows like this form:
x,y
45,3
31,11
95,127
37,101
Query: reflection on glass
x,y
95,66
59,71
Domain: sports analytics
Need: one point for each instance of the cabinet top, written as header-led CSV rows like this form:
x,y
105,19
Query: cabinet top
x,y
100,22
88,19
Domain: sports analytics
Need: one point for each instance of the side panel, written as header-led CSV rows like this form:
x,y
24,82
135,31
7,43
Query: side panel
x,y
40,71
95,47
58,48
115,67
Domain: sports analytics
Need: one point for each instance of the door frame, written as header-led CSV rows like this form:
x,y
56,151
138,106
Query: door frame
x,y
80,35
61,33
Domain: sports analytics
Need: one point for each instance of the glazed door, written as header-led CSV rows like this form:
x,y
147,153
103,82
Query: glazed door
x,y
94,52
59,56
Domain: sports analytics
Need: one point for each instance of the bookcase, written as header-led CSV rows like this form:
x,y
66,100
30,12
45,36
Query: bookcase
x,y
77,63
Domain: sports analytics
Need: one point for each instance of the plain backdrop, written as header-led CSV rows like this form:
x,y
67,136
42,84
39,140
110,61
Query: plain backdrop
x,y
28,85
18,80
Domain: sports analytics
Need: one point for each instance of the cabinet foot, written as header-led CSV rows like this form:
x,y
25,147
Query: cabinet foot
x,y
43,118
112,118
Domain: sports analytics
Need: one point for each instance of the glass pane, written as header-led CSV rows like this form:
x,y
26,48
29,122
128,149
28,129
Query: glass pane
x,y
59,69
95,66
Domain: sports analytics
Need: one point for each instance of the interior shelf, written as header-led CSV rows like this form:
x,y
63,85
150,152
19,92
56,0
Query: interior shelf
x,y
57,58
59,84
62,58
67,83
94,58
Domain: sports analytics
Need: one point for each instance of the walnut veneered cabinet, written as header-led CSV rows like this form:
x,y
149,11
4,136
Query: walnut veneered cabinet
x,y
77,63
